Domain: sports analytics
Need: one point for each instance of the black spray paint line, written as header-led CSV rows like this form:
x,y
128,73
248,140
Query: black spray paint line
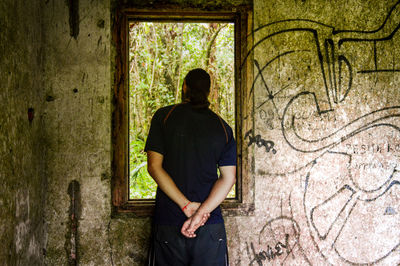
x,y
260,142
341,218
372,38
269,253
259,70
329,47
297,244
317,45
341,138
271,94
338,94
354,127
331,94
350,199
369,263
273,252
329,28
343,60
387,188
330,59
352,134
313,22
397,5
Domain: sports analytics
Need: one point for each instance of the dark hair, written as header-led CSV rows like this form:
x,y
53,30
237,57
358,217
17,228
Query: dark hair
x,y
198,85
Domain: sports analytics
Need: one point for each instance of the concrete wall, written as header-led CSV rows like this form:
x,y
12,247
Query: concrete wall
x,y
22,181
78,83
328,194
77,67
326,97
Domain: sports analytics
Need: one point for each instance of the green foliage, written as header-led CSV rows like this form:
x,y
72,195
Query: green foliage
x,y
141,185
160,55
232,193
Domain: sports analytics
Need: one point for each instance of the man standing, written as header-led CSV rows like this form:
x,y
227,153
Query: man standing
x,y
186,144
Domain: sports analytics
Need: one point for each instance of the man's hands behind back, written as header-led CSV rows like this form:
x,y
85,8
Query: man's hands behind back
x,y
193,223
218,193
195,219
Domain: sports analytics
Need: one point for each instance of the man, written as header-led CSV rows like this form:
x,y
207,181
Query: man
x,y
186,144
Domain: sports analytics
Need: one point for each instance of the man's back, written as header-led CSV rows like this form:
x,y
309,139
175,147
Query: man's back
x,y
186,144
193,141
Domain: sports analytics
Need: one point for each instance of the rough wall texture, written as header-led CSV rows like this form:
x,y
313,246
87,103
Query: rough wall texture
x,y
326,95
22,181
326,88
78,82
78,119
78,74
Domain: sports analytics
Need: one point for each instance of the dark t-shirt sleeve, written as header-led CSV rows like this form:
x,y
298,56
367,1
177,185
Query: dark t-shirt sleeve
x,y
228,156
155,139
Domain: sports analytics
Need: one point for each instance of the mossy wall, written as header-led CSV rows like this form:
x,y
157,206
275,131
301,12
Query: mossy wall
x,y
77,71
22,177
326,97
79,74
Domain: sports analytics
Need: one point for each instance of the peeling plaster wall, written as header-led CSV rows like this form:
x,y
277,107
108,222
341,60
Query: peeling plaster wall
x,y
328,102
22,178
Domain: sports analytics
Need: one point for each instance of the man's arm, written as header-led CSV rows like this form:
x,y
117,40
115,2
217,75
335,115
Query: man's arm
x,y
218,193
166,184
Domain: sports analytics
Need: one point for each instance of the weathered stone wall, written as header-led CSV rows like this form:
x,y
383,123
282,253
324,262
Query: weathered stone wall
x,y
77,65
326,96
78,83
326,88
22,181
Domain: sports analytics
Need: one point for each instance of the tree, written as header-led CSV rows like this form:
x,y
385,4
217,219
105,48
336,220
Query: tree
x,y
160,55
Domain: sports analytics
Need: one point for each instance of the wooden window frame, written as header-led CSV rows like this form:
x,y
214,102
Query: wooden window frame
x,y
241,16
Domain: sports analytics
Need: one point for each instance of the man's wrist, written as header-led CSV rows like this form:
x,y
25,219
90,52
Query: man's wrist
x,y
202,210
182,202
187,204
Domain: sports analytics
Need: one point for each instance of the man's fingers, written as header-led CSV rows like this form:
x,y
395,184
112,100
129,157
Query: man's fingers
x,y
185,229
197,221
185,226
193,223
203,220
193,226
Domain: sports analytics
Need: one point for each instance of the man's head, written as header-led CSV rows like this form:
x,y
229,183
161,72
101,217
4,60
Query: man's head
x,y
196,87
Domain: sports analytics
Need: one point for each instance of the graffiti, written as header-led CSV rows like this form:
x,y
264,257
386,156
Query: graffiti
x,y
278,241
332,214
268,118
267,144
326,58
269,254
273,245
373,147
333,113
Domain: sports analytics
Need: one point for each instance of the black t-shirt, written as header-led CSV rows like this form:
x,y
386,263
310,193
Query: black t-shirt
x,y
194,142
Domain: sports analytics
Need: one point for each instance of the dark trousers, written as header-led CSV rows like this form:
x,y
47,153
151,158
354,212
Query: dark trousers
x,y
208,248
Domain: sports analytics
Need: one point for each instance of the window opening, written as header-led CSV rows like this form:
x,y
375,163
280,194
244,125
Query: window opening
x,y
160,54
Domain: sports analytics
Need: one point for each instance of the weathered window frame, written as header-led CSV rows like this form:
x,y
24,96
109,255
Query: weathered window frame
x,y
243,204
